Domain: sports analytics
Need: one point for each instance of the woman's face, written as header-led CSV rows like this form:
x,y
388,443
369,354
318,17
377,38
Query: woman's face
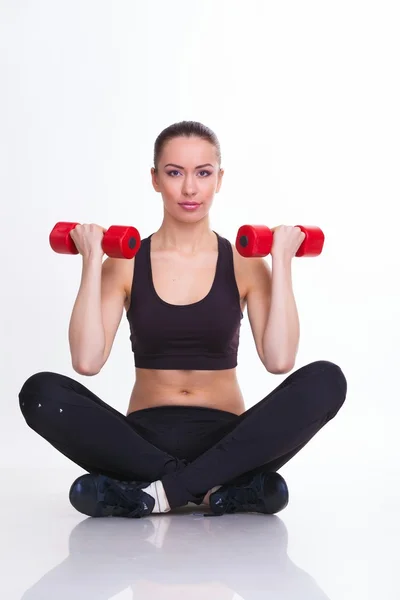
x,y
188,176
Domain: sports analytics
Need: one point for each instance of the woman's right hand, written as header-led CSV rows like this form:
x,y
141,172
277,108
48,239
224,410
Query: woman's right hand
x,y
88,239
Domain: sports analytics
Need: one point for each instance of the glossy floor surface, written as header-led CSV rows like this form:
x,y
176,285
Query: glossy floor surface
x,y
337,540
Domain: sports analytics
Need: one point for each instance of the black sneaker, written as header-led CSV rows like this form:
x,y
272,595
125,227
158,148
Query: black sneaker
x,y
264,493
101,496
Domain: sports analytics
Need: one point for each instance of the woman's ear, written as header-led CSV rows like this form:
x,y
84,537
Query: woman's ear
x,y
220,176
154,179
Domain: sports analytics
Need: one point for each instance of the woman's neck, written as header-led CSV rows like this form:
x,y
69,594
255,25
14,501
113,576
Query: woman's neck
x,y
188,238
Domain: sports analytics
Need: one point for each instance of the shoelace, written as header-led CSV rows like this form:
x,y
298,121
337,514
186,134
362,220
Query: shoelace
x,y
122,495
239,498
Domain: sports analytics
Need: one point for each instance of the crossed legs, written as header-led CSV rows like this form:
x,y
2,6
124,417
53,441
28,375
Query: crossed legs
x,y
103,441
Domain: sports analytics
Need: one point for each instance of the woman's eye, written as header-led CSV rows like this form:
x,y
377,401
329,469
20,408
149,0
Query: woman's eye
x,y
170,173
208,172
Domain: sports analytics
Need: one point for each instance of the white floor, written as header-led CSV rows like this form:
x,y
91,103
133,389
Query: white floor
x,y
337,540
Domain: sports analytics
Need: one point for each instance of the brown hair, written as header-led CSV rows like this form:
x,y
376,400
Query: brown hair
x,y
185,129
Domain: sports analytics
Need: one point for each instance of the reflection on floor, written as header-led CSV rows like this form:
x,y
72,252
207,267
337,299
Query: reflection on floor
x,y
329,551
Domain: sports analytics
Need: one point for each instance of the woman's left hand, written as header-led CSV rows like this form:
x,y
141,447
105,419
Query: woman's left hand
x,y
286,241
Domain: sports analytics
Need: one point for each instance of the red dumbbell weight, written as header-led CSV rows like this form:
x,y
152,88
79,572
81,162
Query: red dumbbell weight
x,y
313,242
119,241
256,240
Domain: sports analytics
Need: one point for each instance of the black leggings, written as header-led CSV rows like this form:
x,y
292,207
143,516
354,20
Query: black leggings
x,y
190,449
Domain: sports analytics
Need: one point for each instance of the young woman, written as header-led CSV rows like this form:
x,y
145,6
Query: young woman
x,y
187,436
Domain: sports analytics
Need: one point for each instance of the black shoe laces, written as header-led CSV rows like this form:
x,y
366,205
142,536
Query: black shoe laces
x,y
242,497
124,496
245,497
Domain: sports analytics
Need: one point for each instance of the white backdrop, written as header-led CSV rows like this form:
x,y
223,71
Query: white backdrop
x,y
304,97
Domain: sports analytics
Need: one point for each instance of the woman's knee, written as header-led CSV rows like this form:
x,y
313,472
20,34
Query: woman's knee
x,y
40,383
328,377
336,383
320,367
36,390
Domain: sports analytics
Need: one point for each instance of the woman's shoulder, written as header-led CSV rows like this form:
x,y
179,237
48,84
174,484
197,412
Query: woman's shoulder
x,y
120,271
247,269
241,267
241,263
126,267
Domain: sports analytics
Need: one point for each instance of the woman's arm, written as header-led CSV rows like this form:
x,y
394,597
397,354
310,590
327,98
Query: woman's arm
x,y
97,313
282,332
272,313
271,304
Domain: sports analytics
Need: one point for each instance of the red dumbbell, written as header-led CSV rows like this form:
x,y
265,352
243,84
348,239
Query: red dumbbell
x,y
256,240
119,241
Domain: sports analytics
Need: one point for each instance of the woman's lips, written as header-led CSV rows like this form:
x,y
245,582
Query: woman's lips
x,y
189,205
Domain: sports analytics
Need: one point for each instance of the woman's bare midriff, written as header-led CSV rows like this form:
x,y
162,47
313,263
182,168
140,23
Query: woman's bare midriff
x,y
212,389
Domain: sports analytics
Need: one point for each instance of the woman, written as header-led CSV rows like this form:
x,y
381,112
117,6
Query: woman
x,y
187,436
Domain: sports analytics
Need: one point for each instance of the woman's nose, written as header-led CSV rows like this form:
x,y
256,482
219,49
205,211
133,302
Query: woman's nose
x,y
189,186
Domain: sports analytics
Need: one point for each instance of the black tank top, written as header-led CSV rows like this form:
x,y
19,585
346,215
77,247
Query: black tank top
x,y
203,335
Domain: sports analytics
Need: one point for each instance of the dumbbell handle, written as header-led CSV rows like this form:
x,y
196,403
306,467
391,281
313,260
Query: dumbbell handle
x,y
119,241
256,240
